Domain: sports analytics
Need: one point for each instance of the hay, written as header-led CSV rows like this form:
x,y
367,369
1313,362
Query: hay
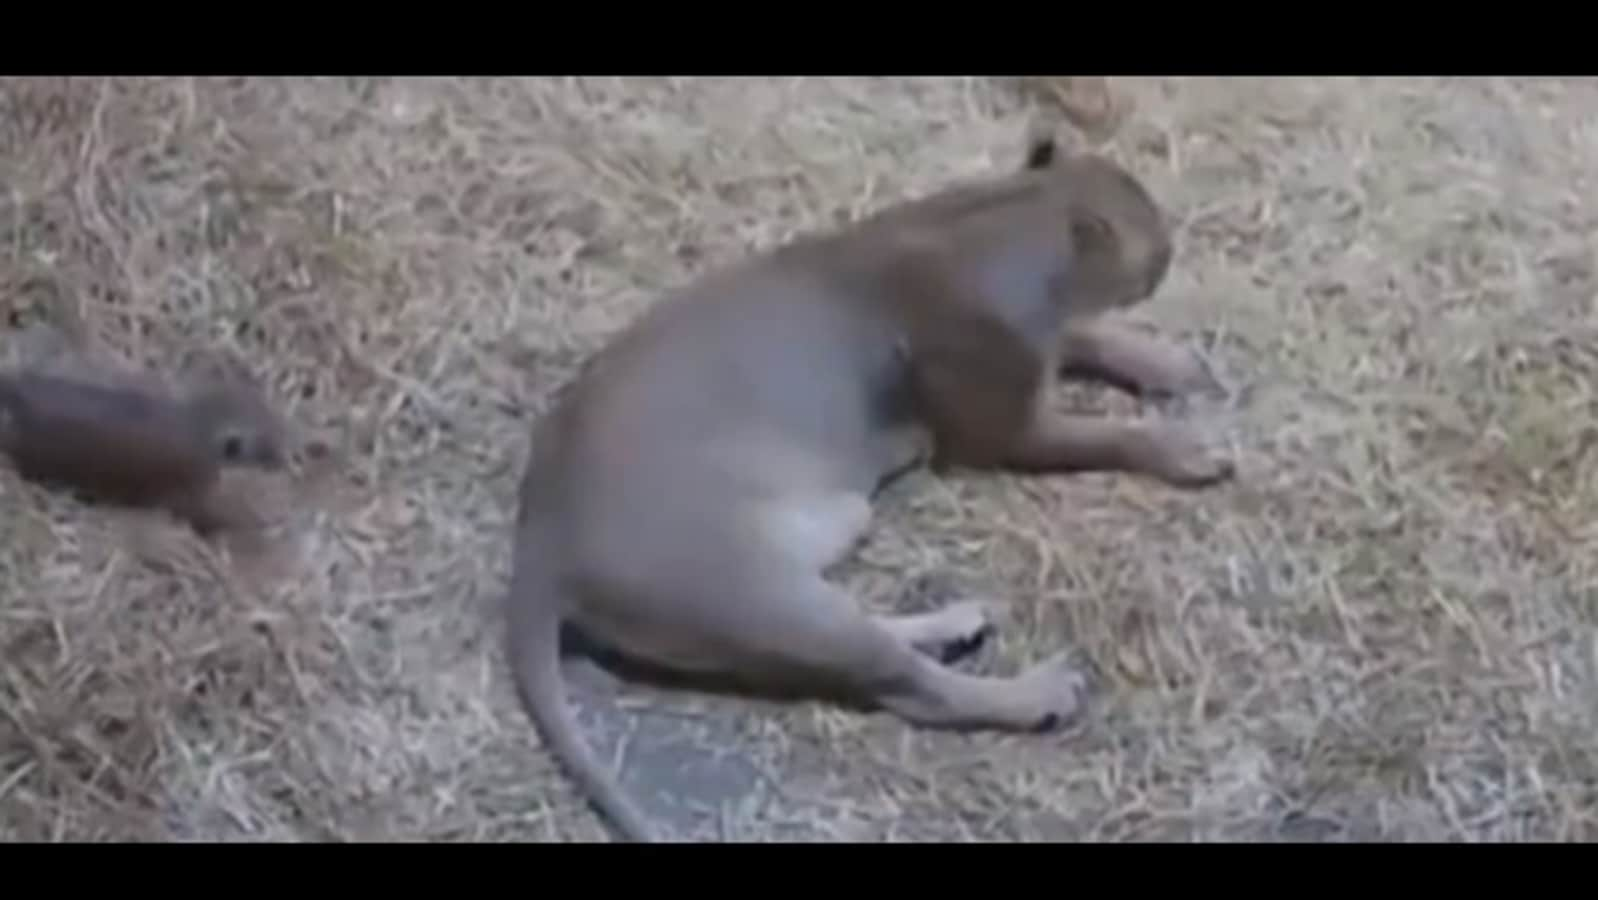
x,y
1385,630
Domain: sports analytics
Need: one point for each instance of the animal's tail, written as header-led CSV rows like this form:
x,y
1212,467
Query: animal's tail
x,y
534,643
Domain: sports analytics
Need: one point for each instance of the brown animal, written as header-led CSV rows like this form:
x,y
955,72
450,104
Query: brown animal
x,y
135,445
684,498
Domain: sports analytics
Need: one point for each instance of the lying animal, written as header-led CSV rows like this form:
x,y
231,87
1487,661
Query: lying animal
x,y
683,498
133,445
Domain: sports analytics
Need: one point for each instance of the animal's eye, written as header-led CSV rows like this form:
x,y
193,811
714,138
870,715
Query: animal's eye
x,y
232,447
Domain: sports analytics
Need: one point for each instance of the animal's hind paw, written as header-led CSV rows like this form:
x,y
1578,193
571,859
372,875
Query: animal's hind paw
x,y
1059,689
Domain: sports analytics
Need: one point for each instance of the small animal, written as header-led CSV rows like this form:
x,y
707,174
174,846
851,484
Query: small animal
x,y
137,446
683,498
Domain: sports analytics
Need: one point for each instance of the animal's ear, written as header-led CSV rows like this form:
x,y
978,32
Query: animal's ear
x,y
231,445
214,367
1041,152
1092,237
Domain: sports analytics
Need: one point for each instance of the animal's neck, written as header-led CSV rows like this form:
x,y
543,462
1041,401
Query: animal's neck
x,y
1004,262
990,248
1018,279
952,217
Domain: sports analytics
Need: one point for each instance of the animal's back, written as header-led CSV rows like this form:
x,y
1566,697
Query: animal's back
x,y
753,349
119,444
747,383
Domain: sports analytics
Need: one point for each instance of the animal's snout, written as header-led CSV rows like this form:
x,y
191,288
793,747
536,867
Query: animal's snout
x,y
260,451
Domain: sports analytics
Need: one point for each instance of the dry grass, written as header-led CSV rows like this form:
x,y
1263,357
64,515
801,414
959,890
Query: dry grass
x,y
1386,630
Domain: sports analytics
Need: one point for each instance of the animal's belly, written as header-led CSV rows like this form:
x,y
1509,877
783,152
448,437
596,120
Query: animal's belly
x,y
124,473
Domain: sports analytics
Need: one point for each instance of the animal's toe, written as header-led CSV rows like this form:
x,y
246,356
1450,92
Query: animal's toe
x,y
1190,462
1063,687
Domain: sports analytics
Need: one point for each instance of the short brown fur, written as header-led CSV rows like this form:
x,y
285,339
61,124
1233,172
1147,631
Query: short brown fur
x,y
685,497
134,445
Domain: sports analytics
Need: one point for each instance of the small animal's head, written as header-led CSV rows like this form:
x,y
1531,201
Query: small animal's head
x,y
1121,247
239,426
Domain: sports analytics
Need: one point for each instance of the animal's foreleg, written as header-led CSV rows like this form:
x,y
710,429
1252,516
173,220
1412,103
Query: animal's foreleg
x,y
1131,360
1056,442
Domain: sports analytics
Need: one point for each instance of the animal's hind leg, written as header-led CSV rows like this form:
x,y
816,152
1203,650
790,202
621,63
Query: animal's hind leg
x,y
803,628
819,530
929,693
947,634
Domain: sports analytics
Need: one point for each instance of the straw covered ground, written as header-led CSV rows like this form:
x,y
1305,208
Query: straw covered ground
x,y
1386,629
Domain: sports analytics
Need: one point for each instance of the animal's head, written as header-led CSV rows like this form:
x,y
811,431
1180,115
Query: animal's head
x,y
1121,247
239,426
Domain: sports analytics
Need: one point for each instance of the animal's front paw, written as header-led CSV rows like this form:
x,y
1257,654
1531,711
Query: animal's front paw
x,y
1183,459
1058,689
1173,372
